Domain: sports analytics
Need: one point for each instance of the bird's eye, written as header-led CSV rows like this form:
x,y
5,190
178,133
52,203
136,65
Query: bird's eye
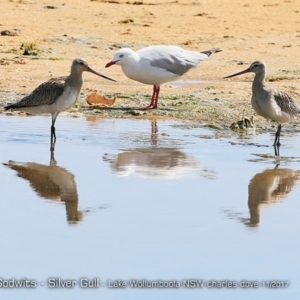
x,y
122,55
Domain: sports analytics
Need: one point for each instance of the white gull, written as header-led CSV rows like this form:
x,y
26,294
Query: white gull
x,y
158,64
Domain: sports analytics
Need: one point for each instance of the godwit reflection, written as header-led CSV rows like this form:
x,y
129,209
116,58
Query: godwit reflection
x,y
267,188
156,162
51,182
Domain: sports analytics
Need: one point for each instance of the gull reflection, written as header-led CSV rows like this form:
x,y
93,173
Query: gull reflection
x,y
156,162
95,120
154,131
268,188
51,182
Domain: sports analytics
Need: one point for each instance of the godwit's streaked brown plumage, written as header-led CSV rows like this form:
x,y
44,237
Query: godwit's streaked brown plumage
x,y
158,64
55,95
268,102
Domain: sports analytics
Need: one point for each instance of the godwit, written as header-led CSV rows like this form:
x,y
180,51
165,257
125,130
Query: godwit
x,y
55,95
268,102
156,65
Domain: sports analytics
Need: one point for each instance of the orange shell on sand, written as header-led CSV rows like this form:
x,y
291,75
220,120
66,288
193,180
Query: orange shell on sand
x,y
96,100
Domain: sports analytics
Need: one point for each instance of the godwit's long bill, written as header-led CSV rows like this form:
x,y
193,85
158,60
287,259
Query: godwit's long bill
x,y
55,95
268,102
159,64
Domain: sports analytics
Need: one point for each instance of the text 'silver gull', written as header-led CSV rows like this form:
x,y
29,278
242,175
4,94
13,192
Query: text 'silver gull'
x,y
268,102
55,95
158,64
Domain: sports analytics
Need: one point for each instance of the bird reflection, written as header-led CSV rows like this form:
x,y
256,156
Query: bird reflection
x,y
154,155
155,162
51,182
93,120
276,150
269,187
154,131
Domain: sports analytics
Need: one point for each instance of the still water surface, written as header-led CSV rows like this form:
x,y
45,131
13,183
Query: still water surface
x,y
154,201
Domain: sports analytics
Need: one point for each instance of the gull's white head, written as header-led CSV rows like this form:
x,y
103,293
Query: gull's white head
x,y
122,57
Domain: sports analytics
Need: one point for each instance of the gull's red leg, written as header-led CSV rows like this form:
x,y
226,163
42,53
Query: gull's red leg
x,y
153,103
153,99
156,96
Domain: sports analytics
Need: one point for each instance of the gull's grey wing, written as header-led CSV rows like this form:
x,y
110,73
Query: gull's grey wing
x,y
171,58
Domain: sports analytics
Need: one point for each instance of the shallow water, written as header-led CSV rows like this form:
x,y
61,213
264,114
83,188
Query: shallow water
x,y
154,201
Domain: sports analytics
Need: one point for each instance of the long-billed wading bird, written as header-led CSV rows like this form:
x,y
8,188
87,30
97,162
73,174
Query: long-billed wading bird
x,y
55,95
268,102
157,65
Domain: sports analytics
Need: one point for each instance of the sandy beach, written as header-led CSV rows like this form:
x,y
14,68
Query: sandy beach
x,y
245,30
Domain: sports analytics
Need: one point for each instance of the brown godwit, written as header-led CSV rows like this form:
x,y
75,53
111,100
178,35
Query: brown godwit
x,y
268,102
55,95
159,64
